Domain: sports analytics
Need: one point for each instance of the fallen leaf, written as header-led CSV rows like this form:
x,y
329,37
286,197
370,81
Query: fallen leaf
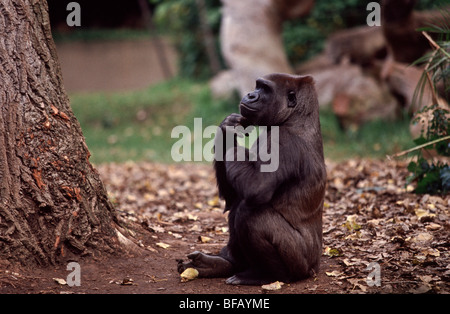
x,y
334,273
214,202
424,215
204,239
192,217
426,279
431,252
351,223
356,282
423,237
273,286
176,235
163,245
338,183
353,236
60,281
151,249
131,198
198,205
433,227
189,274
196,228
347,262
156,228
332,252
421,289
410,188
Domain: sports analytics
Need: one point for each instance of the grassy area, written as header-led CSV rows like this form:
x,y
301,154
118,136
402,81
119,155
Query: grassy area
x,y
138,125
375,139
96,34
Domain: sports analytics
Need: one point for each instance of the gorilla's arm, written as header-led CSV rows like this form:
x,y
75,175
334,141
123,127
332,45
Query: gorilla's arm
x,y
226,190
258,187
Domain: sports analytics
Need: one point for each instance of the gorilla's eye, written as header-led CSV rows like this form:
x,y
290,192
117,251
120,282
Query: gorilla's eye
x,y
291,98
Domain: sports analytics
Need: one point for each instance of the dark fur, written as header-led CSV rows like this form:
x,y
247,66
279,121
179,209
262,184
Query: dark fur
x,y
275,218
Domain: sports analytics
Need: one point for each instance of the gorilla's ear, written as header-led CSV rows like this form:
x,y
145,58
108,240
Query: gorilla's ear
x,y
305,79
301,81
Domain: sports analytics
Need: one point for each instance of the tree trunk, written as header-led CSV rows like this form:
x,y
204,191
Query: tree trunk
x,y
52,203
251,41
208,38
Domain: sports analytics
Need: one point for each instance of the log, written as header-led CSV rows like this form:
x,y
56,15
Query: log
x,y
361,45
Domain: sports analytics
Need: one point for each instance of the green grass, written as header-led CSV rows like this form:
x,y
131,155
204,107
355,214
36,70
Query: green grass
x,y
138,125
98,34
375,139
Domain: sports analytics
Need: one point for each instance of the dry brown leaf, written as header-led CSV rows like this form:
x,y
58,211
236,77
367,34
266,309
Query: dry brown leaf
x,y
334,273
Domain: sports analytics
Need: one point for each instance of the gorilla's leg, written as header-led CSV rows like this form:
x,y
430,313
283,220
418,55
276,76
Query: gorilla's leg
x,y
263,247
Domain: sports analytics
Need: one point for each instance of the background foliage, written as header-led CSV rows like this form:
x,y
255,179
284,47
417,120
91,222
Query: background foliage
x,y
433,176
303,37
180,19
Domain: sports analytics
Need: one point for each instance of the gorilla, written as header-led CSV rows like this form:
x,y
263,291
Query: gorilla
x,y
275,217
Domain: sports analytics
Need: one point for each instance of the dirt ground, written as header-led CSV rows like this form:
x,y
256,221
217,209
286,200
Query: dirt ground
x,y
168,211
151,273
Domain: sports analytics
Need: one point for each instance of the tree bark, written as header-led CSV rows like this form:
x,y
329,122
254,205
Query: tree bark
x,y
53,204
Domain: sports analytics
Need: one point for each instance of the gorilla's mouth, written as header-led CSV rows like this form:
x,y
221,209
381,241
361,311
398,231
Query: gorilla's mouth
x,y
248,108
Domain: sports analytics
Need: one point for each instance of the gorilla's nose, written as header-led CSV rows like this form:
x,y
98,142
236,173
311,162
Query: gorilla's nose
x,y
252,97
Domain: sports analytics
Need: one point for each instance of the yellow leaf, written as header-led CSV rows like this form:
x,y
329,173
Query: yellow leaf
x,y
193,217
351,223
332,252
204,239
198,205
273,286
421,212
189,274
424,215
163,245
214,201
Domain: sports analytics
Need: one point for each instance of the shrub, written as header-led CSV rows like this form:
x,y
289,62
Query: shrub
x,y
433,176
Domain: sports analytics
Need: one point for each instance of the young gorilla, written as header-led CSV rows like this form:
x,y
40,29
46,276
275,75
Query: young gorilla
x,y
275,218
